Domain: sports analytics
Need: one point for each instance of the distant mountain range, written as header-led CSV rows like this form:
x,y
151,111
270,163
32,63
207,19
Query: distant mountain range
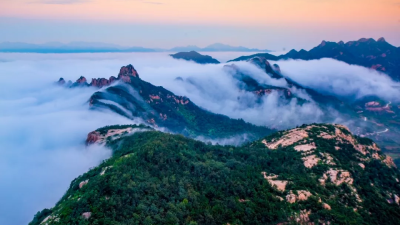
x,y
218,47
93,47
378,55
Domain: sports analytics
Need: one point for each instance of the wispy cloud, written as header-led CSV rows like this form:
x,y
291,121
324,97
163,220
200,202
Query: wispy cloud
x,y
59,2
154,3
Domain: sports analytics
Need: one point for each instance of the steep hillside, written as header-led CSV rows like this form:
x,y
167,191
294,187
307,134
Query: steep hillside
x,y
369,117
314,174
195,57
325,102
132,97
378,55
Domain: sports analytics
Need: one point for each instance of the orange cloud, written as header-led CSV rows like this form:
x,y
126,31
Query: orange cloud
x,y
227,12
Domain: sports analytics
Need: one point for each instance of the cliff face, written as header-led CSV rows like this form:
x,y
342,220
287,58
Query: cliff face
x,y
314,174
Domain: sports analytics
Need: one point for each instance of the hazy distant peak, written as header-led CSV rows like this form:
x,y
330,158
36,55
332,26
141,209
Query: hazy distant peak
x,y
195,57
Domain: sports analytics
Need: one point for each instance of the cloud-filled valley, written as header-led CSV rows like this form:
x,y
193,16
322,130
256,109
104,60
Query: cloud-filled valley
x,y
339,79
43,126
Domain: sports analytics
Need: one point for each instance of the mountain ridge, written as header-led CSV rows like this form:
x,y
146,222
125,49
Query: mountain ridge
x,y
377,55
195,57
130,96
313,174
92,47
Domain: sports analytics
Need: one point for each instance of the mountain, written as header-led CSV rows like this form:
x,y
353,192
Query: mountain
x,y
378,55
250,84
87,47
186,49
73,47
314,174
195,57
130,96
217,47
369,117
267,56
134,98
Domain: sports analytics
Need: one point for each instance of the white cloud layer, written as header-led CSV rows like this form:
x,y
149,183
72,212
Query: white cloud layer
x,y
42,126
42,134
340,79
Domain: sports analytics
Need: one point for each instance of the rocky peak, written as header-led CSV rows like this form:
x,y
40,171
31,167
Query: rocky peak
x,y
323,43
100,82
381,39
368,40
81,80
127,71
61,81
112,79
299,139
341,43
125,75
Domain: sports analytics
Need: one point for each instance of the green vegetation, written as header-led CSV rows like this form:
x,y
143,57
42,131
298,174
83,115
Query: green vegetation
x,y
159,178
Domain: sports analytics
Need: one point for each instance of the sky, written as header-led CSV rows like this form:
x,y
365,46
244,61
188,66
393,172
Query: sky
x,y
270,24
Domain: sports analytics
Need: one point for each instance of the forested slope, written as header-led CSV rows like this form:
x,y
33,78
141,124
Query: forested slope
x,y
313,174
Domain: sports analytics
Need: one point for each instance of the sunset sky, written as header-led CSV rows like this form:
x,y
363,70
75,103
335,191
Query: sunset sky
x,y
271,24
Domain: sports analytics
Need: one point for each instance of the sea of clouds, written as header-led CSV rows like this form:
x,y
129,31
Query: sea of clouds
x,y
43,126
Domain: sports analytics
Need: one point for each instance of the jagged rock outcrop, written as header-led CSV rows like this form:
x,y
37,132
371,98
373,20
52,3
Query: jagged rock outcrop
x,y
83,183
81,80
125,74
92,137
301,141
101,136
100,82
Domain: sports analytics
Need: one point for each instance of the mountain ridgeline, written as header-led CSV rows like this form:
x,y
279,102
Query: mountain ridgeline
x,y
378,55
313,174
86,47
132,97
195,57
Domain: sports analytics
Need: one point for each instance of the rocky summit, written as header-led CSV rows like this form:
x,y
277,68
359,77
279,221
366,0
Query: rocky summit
x,y
124,75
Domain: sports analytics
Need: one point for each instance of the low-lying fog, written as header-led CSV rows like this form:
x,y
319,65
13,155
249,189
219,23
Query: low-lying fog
x,y
43,126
